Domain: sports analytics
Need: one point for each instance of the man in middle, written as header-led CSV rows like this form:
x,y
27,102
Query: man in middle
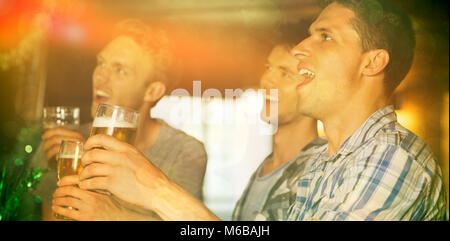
x,y
272,187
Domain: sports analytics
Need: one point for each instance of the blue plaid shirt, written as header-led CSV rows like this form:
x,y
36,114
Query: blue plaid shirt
x,y
381,172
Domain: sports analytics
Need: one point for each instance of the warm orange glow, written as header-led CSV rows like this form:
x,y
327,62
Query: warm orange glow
x,y
15,21
225,55
69,21
407,117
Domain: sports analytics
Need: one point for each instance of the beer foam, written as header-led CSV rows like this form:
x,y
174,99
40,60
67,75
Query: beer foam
x,y
108,122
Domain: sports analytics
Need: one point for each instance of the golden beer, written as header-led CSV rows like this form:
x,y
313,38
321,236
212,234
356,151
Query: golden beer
x,y
69,162
68,166
127,135
116,121
52,163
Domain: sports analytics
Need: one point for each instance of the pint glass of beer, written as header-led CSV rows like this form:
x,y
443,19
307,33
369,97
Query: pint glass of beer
x,y
69,162
116,121
60,116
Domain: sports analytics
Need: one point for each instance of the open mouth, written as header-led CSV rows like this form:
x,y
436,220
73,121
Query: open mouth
x,y
101,96
307,74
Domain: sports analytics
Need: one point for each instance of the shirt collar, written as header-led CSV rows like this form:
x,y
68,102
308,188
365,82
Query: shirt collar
x,y
368,129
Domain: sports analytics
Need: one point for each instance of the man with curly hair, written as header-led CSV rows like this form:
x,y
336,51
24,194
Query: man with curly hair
x,y
133,71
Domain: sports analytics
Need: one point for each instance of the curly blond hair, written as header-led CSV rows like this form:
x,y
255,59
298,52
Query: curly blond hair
x,y
154,41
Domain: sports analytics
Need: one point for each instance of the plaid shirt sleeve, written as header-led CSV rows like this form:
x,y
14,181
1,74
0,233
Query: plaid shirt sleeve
x,y
381,172
390,184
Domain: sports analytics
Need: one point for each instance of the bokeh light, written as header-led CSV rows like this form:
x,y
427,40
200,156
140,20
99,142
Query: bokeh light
x,y
28,148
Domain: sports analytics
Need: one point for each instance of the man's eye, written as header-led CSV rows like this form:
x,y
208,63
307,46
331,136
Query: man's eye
x,y
284,74
121,71
326,37
268,67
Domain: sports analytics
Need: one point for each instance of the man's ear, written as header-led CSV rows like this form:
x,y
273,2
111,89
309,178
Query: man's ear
x,y
154,91
375,62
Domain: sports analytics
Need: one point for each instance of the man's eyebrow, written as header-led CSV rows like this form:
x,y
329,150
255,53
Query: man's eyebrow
x,y
122,64
119,64
320,30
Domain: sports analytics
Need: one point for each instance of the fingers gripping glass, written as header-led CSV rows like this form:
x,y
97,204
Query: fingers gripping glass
x,y
69,162
116,121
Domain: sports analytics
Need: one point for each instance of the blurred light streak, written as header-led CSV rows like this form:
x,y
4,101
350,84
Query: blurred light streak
x,y
320,129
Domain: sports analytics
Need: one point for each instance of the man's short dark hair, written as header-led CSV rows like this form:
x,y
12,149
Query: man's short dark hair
x,y
383,25
290,34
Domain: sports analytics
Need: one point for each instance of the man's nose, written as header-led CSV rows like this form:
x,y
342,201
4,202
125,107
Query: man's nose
x,y
302,49
268,80
101,75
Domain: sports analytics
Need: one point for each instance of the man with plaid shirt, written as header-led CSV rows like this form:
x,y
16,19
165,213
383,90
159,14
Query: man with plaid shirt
x,y
372,168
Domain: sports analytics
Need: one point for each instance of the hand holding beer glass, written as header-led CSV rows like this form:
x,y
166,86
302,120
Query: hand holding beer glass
x,y
69,162
59,122
116,121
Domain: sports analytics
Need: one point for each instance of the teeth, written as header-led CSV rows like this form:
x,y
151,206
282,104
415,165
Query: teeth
x,y
306,73
101,93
